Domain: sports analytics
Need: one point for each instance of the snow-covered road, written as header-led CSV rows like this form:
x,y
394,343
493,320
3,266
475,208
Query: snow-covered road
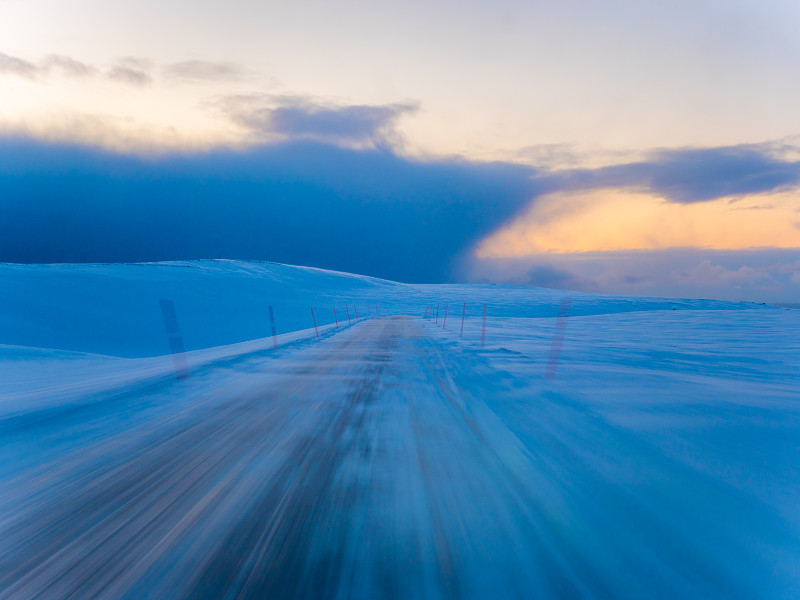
x,y
377,462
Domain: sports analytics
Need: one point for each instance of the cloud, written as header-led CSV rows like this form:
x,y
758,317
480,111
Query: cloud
x,y
55,62
614,229
205,70
297,117
129,69
756,275
300,202
68,66
692,175
136,62
544,275
756,207
124,74
552,155
17,66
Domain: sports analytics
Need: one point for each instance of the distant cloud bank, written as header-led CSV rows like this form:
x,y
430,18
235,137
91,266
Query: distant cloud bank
x,y
299,202
768,275
327,186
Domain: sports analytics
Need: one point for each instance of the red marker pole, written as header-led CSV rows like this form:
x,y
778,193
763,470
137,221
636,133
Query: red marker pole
x,y
445,316
348,313
483,329
315,322
334,317
558,338
274,331
463,312
175,339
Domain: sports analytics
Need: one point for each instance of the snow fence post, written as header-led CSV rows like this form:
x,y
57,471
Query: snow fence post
x,y
315,322
355,308
483,328
174,338
334,317
274,331
558,338
436,322
445,315
463,312
347,308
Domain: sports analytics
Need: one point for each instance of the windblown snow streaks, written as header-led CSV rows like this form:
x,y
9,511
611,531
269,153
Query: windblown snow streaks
x,y
380,462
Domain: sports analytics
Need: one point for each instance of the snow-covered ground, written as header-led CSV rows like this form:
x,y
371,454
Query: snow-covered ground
x,y
660,459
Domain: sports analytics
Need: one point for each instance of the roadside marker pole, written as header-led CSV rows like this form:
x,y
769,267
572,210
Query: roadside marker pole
x,y
175,339
315,322
463,312
436,322
425,316
483,328
348,313
558,338
355,308
369,312
445,316
334,317
274,332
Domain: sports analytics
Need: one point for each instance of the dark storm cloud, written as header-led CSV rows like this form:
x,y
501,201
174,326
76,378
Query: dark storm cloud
x,y
296,117
693,175
205,70
301,202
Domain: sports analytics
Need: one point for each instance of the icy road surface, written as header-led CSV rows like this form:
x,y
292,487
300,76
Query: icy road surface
x,y
379,462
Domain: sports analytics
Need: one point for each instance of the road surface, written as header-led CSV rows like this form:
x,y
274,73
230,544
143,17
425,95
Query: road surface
x,y
374,463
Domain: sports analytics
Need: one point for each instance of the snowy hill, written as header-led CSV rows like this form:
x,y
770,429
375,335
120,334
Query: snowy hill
x,y
113,309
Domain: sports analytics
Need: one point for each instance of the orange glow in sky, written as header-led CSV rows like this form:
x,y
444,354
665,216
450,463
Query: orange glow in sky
x,y
607,220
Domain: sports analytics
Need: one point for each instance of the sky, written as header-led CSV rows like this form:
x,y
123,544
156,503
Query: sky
x,y
628,147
